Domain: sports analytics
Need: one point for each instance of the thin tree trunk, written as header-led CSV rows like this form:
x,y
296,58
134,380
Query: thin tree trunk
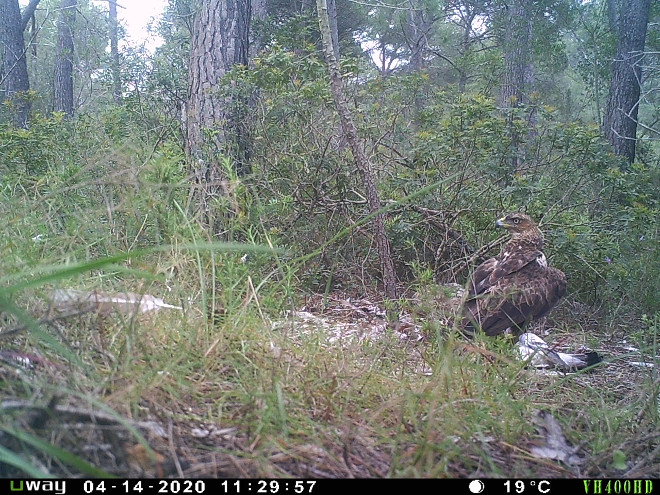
x,y
334,28
361,160
629,22
418,26
32,33
466,45
114,51
63,101
28,12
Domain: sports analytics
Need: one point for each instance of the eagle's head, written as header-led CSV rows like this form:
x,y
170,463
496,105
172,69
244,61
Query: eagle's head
x,y
518,224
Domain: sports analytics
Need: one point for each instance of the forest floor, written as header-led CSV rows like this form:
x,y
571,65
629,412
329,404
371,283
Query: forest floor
x,y
330,390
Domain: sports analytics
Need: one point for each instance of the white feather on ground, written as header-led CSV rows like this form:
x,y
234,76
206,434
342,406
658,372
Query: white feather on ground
x,y
106,303
553,444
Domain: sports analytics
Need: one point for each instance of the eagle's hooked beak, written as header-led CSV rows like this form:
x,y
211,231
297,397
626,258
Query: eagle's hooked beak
x,y
501,222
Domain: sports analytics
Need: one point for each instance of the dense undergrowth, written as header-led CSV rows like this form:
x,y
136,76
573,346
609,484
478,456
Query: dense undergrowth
x,y
102,204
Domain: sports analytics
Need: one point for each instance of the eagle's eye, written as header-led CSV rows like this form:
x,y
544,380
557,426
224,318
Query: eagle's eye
x,y
516,220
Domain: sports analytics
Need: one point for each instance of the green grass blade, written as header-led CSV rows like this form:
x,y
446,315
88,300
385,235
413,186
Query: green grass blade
x,y
13,459
51,273
66,457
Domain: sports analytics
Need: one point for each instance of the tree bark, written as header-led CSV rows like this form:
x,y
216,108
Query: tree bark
x,y
28,12
63,101
519,71
419,25
334,27
215,123
361,160
15,83
518,80
628,22
114,51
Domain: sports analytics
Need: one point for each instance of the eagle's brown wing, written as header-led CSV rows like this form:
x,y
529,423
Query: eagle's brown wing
x,y
515,291
481,276
512,262
491,271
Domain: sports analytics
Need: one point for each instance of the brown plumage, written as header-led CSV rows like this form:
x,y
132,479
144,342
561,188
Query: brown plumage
x,y
514,288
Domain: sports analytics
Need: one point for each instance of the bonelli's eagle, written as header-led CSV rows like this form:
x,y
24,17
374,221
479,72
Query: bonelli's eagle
x,y
517,286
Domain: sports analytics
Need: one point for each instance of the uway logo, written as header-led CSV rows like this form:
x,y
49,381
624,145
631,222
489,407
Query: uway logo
x,y
58,487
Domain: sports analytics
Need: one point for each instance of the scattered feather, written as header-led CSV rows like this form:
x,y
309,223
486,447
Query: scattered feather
x,y
641,364
27,361
17,358
106,303
555,444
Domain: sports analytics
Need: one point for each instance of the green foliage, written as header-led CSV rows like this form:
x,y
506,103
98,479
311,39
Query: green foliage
x,y
34,151
596,45
291,25
632,223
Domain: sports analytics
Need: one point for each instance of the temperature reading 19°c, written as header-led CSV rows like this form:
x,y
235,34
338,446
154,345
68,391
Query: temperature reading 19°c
x,y
520,486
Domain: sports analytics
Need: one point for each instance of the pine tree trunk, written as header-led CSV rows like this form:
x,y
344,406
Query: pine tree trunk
x,y
518,71
465,47
629,22
63,101
518,81
15,83
215,123
361,160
